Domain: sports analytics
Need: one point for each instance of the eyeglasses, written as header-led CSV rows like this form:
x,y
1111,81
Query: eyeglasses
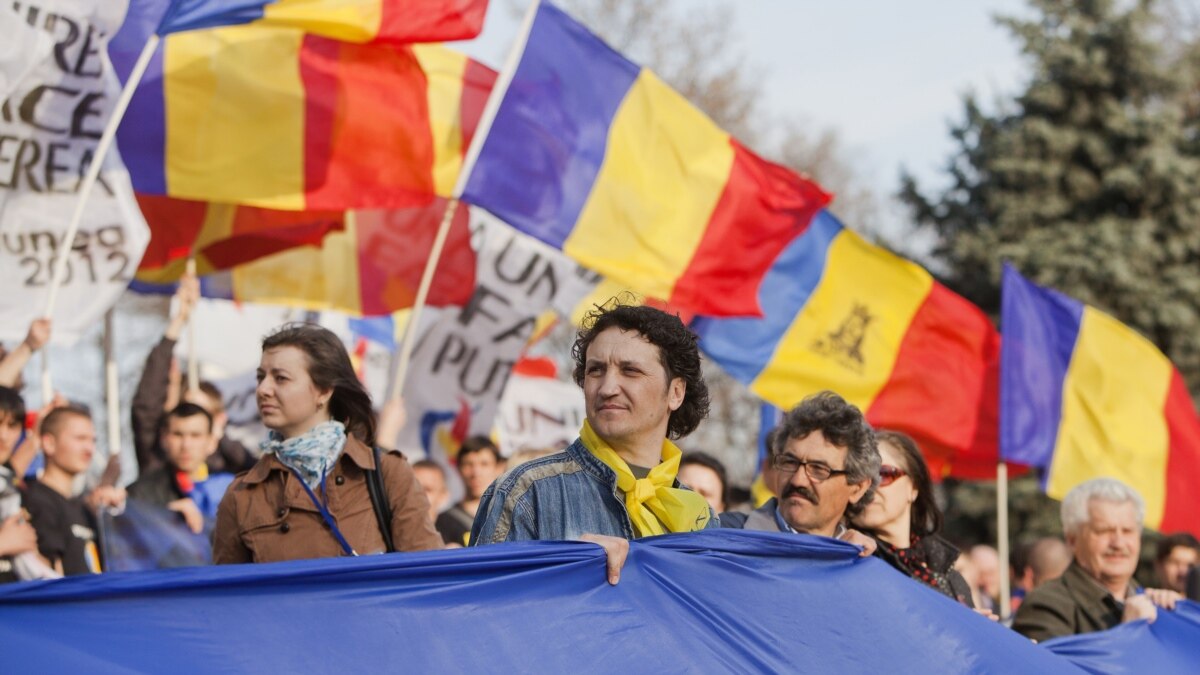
x,y
816,471
890,474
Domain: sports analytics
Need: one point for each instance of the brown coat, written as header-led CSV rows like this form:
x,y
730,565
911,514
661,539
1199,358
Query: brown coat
x,y
266,515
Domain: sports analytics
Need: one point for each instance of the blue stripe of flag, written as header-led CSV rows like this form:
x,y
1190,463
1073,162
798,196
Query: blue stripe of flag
x,y
1040,329
743,347
547,142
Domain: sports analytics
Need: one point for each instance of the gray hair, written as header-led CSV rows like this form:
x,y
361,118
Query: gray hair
x,y
1075,504
842,424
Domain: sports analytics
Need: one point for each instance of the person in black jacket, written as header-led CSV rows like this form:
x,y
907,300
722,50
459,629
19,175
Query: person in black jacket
x,y
152,400
185,484
905,520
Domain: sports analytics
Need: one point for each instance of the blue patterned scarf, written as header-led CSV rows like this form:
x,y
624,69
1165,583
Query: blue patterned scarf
x,y
311,454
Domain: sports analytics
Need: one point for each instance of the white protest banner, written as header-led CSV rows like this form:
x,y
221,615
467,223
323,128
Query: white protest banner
x,y
229,334
50,125
23,47
538,413
464,356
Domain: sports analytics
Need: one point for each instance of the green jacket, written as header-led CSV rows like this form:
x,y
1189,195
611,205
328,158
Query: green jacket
x,y
1069,605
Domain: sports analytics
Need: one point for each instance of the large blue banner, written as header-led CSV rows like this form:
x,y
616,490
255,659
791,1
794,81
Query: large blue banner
x,y
716,601
1169,645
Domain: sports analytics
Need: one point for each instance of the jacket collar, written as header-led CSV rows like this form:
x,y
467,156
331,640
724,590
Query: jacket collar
x,y
1093,598
356,452
592,464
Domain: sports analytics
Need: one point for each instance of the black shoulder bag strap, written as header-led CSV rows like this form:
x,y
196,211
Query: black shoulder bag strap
x,y
383,510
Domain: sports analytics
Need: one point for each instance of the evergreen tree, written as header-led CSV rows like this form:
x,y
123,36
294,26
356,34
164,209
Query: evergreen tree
x,y
1086,181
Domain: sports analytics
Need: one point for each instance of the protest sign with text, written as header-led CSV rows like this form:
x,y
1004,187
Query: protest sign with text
x,y
464,356
50,125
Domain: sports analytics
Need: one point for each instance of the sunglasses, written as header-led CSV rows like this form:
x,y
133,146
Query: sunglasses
x,y
890,474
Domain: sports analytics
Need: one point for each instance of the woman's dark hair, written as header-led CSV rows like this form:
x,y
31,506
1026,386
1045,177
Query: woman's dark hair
x,y
925,517
330,368
677,352
12,406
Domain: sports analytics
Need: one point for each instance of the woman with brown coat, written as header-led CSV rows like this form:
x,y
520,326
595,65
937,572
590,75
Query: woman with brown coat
x,y
310,495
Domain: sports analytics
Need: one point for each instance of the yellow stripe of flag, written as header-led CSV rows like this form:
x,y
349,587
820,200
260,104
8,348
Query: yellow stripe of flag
x,y
657,188
444,72
220,146
849,333
345,20
309,277
1112,422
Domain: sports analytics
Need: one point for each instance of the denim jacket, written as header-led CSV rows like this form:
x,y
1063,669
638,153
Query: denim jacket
x,y
559,497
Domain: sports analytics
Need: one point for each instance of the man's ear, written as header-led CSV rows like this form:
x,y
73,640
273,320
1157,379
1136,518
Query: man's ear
x,y
49,444
676,392
857,490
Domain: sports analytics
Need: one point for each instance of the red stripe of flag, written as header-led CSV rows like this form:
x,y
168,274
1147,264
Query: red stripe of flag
x,y
367,137
938,381
1182,509
431,20
174,226
763,207
393,247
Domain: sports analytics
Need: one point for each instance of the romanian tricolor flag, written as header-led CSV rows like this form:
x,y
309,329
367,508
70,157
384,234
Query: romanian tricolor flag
x,y
594,155
349,20
277,118
844,315
366,262
1083,396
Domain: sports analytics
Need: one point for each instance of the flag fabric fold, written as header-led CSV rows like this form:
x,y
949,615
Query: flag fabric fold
x,y
1083,396
366,262
20,51
596,156
1168,646
277,118
402,21
844,315
708,601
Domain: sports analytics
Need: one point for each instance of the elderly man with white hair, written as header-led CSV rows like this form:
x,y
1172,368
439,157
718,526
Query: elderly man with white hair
x,y
1102,522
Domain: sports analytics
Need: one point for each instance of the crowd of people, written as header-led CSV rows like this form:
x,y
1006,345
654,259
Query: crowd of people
x,y
320,485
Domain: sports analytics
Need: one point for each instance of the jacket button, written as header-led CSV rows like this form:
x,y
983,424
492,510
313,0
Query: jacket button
x,y
340,480
282,513
284,528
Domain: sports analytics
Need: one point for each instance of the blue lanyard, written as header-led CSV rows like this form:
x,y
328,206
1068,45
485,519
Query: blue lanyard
x,y
324,512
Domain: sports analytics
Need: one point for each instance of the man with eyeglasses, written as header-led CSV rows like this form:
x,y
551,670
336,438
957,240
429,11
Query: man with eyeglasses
x,y
828,465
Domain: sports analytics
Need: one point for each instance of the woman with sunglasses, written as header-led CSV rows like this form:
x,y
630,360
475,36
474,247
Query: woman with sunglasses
x,y
905,520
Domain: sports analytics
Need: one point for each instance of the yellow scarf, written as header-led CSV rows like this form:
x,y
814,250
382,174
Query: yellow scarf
x,y
651,501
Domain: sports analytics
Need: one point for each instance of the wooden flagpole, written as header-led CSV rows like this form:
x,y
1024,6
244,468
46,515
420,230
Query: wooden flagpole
x,y
112,386
193,366
485,125
410,330
1005,608
85,190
